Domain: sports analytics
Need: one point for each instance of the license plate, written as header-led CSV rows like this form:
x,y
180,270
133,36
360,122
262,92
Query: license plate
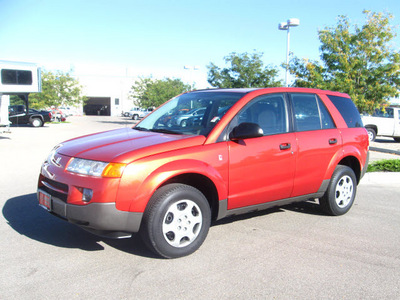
x,y
45,200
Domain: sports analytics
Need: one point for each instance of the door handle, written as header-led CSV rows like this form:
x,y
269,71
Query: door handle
x,y
285,146
332,141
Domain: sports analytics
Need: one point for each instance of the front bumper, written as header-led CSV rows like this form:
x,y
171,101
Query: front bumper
x,y
102,219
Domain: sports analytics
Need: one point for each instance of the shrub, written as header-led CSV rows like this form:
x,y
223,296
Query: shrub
x,y
386,165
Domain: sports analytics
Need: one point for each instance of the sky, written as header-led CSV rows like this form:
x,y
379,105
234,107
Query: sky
x,y
159,37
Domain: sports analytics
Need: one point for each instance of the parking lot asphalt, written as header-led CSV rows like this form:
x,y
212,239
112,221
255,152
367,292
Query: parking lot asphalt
x,y
293,252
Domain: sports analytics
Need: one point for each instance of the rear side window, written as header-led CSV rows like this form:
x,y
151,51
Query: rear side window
x,y
310,113
348,111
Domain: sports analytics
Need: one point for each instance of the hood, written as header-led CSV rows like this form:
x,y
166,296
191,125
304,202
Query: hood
x,y
126,145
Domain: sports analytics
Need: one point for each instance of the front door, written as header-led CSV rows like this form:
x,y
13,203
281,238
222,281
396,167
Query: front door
x,y
262,169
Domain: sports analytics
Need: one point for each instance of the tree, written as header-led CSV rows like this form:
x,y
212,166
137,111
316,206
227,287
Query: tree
x,y
148,92
58,89
360,62
245,70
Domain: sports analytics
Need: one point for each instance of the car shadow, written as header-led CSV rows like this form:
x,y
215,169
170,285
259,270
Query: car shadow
x,y
26,217
308,207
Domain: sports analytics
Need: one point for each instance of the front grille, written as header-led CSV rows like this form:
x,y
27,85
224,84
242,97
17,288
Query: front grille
x,y
54,188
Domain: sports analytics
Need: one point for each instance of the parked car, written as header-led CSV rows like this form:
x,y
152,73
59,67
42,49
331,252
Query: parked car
x,y
383,123
253,149
137,113
133,113
181,119
17,115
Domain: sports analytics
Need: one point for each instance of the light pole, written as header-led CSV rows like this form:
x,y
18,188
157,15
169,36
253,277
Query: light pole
x,y
286,26
191,69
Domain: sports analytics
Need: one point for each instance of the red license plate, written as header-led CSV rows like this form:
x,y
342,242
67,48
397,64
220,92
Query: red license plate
x,y
45,200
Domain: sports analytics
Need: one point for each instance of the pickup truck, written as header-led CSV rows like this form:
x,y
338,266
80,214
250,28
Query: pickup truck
x,y
17,114
383,123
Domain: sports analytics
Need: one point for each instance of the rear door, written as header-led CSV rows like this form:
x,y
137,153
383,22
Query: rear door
x,y
262,169
318,140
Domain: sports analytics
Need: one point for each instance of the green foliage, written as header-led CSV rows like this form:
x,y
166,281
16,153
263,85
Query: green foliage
x,y
386,165
16,100
58,89
360,62
148,92
245,70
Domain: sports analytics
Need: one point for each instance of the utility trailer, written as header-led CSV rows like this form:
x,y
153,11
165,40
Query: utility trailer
x,y
16,78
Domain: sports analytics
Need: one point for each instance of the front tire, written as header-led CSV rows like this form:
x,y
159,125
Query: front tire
x,y
176,221
341,192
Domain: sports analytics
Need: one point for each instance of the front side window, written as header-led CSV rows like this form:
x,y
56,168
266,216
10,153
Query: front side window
x,y
310,113
268,111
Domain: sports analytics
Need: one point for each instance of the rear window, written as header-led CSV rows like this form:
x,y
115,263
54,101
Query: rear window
x,y
348,111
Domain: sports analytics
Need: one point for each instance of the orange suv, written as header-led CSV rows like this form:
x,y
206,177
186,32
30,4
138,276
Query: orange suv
x,y
251,149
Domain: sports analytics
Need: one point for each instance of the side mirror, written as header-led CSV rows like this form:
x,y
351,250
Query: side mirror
x,y
246,131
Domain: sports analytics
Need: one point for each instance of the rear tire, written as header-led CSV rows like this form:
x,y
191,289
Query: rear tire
x,y
176,221
37,122
341,192
371,134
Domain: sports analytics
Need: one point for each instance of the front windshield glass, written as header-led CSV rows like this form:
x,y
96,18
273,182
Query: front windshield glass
x,y
194,113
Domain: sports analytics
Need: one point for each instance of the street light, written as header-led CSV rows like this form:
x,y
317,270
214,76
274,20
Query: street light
x,y
285,26
191,69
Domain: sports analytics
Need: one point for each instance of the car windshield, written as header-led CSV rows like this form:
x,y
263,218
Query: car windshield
x,y
194,113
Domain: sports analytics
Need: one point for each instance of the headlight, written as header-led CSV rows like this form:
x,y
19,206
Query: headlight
x,y
95,168
86,167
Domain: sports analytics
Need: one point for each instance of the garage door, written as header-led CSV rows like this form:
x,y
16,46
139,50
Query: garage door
x,y
98,106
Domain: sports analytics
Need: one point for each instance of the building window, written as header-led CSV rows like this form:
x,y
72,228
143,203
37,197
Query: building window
x,y
116,101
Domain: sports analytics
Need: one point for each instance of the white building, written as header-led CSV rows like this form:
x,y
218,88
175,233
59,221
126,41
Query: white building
x,y
106,88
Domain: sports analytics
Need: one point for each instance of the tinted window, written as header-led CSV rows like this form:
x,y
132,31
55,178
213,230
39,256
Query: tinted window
x,y
269,112
348,111
18,77
387,113
310,113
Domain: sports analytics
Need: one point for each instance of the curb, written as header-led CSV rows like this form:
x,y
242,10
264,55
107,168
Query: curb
x,y
389,151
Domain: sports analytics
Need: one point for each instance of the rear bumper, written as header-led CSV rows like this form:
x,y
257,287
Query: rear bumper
x,y
102,219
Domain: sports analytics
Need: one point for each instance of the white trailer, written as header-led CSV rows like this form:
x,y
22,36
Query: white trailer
x,y
16,78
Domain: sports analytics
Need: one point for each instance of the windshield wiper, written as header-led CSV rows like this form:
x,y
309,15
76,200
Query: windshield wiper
x,y
160,130
140,128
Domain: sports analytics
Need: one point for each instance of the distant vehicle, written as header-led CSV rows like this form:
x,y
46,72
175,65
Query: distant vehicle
x,y
17,115
137,113
17,78
383,123
134,111
181,119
